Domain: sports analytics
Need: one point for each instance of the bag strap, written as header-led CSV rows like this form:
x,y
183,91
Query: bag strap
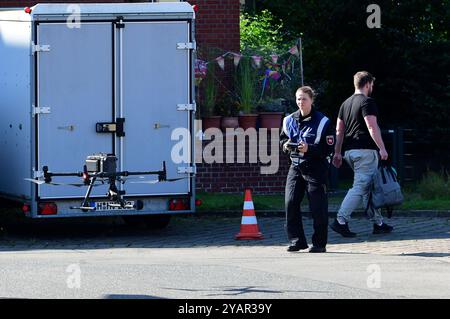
x,y
369,202
391,171
383,176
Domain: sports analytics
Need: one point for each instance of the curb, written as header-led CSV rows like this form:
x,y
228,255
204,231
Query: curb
x,y
356,214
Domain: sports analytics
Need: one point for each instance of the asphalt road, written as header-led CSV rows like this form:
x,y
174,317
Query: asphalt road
x,y
199,258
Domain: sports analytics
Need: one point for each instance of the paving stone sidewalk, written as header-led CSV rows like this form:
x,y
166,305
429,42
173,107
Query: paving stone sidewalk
x,y
419,236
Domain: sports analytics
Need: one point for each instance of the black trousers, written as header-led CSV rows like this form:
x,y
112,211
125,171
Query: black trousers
x,y
296,187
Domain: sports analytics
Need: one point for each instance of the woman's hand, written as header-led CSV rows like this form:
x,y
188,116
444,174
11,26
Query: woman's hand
x,y
303,147
285,146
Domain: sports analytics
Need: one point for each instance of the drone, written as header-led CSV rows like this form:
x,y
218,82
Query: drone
x,y
102,168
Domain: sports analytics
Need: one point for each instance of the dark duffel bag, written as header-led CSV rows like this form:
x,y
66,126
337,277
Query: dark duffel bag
x,y
385,191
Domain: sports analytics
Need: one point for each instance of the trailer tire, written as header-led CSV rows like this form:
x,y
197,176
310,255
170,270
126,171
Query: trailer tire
x,y
149,221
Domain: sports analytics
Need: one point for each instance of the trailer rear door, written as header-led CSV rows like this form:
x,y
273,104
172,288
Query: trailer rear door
x,y
75,82
156,78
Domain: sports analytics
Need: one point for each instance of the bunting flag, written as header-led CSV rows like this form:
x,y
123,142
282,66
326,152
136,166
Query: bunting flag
x,y
274,71
274,68
274,58
236,59
221,62
294,50
257,60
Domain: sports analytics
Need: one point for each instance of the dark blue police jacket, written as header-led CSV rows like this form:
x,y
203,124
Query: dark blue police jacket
x,y
316,131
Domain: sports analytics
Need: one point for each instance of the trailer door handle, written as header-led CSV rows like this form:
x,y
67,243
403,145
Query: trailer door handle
x,y
159,125
111,127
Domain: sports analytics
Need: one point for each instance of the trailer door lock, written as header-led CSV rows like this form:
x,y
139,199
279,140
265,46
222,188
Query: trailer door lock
x,y
111,127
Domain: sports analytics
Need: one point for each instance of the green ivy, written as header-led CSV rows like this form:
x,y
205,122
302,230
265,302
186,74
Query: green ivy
x,y
261,34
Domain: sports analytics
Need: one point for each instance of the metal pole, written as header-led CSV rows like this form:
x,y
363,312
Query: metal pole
x,y
300,49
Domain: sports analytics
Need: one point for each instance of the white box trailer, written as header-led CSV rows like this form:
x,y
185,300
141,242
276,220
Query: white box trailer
x,y
68,73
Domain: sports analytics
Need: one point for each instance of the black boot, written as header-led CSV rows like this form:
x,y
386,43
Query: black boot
x,y
315,249
383,229
296,246
342,229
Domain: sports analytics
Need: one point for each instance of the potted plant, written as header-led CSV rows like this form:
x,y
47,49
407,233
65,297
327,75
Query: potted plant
x,y
227,106
245,86
209,101
272,106
271,113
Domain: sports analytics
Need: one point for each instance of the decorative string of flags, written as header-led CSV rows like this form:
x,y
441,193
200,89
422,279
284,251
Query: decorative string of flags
x,y
201,67
274,70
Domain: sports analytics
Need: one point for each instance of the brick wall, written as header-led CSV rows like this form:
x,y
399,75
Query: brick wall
x,y
236,177
218,23
217,32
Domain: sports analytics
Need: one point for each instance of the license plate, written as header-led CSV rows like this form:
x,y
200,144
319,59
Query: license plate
x,y
103,206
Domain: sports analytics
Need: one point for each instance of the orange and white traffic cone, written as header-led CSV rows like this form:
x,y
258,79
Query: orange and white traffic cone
x,y
249,224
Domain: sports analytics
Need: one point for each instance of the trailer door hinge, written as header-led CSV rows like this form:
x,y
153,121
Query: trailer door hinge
x,y
187,46
40,48
187,170
187,107
119,23
40,110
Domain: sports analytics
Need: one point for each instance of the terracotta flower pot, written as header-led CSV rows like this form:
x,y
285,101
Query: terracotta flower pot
x,y
270,120
211,121
229,122
247,121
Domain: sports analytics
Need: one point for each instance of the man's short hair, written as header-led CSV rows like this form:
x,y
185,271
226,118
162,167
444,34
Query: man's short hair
x,y
360,79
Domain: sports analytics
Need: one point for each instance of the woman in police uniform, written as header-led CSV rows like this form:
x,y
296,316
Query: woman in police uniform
x,y
308,139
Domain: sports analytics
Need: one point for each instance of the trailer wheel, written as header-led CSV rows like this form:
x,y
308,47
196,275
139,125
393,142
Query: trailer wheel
x,y
149,221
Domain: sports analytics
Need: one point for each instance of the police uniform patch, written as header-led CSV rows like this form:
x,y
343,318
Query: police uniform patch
x,y
330,140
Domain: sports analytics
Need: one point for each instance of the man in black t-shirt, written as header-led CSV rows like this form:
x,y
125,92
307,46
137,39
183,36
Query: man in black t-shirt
x,y
358,131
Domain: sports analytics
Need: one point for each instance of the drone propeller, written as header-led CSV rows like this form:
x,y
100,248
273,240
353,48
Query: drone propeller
x,y
174,179
146,182
158,181
36,181
126,179
41,182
